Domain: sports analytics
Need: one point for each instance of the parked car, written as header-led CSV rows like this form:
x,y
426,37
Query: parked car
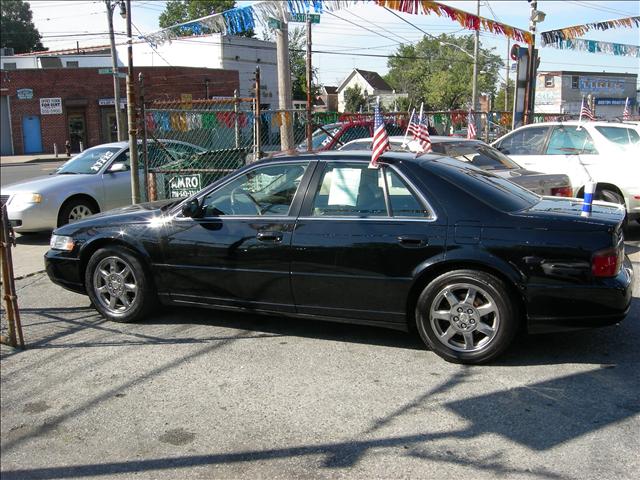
x,y
483,156
605,152
334,135
461,254
95,180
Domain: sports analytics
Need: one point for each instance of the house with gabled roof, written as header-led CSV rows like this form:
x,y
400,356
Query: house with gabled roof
x,y
371,84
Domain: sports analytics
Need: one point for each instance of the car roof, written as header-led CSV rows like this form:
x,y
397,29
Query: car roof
x,y
356,155
434,139
592,123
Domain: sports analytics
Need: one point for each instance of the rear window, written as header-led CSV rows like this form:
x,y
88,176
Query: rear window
x,y
620,135
489,188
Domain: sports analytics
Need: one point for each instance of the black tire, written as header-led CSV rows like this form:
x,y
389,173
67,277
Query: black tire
x,y
482,326
609,196
106,278
76,209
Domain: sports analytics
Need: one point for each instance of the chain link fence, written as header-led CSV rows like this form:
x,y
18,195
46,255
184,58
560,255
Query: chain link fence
x,y
192,143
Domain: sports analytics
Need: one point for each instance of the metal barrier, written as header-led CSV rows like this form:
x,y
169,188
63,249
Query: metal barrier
x,y
14,335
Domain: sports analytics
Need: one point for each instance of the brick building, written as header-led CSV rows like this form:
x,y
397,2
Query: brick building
x,y
52,105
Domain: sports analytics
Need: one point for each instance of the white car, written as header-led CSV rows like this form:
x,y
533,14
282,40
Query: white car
x,y
604,152
93,181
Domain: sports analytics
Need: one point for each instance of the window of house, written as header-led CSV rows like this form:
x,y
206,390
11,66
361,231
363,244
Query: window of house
x,y
9,66
575,81
72,65
548,81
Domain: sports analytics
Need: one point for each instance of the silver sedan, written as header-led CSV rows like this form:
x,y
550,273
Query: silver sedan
x,y
482,156
96,180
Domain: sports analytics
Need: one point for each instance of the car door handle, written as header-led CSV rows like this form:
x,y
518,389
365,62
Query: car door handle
x,y
269,236
412,241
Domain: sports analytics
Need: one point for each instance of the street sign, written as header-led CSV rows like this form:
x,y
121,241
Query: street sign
x,y
109,71
274,23
302,17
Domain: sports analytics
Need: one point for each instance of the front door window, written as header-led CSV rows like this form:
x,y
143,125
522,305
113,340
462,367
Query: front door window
x,y
528,141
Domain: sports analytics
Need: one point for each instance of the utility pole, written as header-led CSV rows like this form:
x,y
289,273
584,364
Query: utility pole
x,y
131,111
474,92
258,120
284,81
535,17
114,62
309,75
506,88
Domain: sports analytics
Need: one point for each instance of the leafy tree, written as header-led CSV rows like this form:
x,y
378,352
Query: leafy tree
x,y
439,73
180,11
18,30
498,103
354,99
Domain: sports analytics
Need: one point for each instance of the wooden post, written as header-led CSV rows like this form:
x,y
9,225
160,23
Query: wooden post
x,y
15,337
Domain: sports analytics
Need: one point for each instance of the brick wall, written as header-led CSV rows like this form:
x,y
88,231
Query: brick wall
x,y
81,88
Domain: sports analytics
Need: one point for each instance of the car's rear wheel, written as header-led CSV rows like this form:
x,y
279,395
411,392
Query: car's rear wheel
x,y
118,285
74,210
466,316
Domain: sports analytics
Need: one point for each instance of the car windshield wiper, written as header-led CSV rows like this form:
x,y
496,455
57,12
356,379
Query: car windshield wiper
x,y
67,173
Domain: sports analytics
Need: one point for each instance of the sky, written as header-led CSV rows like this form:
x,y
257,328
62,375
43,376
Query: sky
x,y
369,29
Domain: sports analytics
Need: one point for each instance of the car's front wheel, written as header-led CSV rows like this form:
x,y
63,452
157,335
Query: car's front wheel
x,y
466,316
118,285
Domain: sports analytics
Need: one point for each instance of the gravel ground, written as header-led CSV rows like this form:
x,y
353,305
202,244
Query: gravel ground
x,y
202,394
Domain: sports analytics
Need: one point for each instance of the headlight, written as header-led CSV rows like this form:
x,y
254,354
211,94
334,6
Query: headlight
x,y
25,198
60,242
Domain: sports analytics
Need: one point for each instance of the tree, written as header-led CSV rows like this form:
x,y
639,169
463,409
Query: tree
x,y
498,104
438,72
354,99
18,30
180,11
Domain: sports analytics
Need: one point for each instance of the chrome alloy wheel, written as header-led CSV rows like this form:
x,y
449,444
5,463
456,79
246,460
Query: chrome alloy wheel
x,y
79,212
464,317
115,285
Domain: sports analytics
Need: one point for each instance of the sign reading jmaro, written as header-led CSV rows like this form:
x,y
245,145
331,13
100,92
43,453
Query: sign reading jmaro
x,y
182,186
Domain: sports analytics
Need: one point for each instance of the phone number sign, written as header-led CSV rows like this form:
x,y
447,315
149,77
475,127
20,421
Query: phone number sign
x,y
50,106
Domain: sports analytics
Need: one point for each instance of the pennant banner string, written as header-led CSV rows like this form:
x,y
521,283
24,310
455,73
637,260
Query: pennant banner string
x,y
568,33
594,46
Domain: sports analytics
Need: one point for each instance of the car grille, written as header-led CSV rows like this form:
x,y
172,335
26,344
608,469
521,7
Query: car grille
x,y
4,199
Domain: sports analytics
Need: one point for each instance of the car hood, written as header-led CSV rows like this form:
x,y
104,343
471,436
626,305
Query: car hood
x,y
45,183
561,209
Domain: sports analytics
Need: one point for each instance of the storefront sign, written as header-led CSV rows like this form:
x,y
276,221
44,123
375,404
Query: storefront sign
x,y
24,93
182,186
108,102
613,101
50,106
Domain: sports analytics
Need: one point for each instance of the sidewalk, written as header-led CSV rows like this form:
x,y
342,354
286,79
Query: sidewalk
x,y
39,157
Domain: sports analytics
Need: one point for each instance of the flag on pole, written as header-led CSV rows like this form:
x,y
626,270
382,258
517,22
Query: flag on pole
x,y
380,137
410,127
423,137
626,114
585,111
471,126
413,125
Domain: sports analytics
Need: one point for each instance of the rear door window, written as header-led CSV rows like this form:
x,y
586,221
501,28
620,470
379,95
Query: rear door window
x,y
620,135
570,141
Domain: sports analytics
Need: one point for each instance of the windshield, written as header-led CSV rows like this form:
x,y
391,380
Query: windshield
x,y
90,161
479,155
321,137
620,135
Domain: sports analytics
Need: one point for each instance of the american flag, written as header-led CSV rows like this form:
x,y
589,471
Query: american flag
x,y
471,126
380,137
626,114
413,125
586,111
423,138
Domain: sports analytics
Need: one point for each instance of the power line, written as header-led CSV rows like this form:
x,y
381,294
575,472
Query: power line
x,y
601,9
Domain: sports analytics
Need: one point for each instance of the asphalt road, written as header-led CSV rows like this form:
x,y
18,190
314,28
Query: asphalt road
x,y
198,394
17,172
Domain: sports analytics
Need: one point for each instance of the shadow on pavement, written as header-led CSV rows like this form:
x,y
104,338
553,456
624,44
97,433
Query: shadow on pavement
x,y
39,238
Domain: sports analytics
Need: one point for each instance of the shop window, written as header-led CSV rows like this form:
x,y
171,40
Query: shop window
x,y
72,65
9,66
575,81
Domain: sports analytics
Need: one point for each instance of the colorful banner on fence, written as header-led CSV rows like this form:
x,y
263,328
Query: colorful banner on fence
x,y
568,33
594,46
242,19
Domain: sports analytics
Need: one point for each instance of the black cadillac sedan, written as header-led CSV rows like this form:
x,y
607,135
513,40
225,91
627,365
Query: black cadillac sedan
x,y
461,255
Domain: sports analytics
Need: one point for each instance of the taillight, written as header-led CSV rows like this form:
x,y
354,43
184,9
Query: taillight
x,y
607,263
562,192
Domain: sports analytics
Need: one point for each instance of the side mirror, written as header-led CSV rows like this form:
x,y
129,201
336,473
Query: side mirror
x,y
118,167
192,208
